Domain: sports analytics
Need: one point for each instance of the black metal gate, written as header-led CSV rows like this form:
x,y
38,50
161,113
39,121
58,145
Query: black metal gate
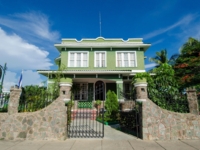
x,y
130,116
84,119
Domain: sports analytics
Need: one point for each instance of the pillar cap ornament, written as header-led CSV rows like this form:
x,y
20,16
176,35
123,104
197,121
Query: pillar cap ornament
x,y
140,84
66,99
66,84
141,100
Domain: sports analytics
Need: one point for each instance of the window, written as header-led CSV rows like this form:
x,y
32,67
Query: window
x,y
127,91
81,91
100,59
78,59
125,59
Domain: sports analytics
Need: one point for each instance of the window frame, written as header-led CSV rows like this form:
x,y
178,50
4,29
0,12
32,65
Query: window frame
x,y
81,92
122,58
95,65
75,59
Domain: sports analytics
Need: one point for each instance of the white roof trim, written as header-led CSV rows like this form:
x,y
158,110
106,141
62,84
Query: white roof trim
x,y
107,39
102,45
138,71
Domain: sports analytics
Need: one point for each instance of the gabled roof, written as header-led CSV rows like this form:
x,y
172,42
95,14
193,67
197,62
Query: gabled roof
x,y
101,42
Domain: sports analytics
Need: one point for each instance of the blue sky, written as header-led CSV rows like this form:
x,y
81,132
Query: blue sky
x,y
30,28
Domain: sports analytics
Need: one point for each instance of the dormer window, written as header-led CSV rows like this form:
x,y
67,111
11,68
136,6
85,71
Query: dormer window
x,y
125,59
78,59
100,59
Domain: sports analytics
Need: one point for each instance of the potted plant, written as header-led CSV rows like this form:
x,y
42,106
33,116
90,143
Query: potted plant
x,y
97,104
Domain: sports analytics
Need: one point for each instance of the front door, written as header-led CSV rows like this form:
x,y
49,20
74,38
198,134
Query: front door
x,y
99,90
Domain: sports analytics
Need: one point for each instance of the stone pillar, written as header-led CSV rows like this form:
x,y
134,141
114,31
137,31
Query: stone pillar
x,y
141,90
141,96
120,90
192,101
14,100
65,90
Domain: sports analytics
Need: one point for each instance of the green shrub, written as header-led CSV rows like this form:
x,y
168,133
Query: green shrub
x,y
112,107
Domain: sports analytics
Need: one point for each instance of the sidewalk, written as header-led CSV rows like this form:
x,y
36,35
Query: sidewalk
x,y
113,140
101,144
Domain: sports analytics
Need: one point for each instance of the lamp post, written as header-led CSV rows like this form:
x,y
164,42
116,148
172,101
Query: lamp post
x,y
2,73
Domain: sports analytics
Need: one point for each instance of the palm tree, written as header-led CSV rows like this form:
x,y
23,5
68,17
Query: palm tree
x,y
162,58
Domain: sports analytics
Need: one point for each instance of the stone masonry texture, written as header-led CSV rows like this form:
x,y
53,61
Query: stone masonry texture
x,y
192,100
160,124
46,124
14,100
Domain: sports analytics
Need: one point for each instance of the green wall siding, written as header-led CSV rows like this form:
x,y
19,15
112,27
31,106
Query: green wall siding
x,y
64,58
111,61
140,60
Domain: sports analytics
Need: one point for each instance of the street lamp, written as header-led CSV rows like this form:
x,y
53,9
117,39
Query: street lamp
x,y
2,73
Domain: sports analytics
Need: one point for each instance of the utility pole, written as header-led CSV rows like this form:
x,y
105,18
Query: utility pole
x,y
2,73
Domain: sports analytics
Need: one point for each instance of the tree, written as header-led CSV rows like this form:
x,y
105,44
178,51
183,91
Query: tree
x,y
187,66
162,58
163,89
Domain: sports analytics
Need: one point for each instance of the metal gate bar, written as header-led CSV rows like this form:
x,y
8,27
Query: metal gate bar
x,y
82,121
84,125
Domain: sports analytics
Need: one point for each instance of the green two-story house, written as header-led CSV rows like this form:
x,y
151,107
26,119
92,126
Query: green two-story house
x,y
98,65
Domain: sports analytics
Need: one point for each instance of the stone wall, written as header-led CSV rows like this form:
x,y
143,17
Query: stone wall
x,y
47,123
127,105
161,124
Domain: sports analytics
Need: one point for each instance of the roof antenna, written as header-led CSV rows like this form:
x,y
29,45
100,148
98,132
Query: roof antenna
x,y
100,23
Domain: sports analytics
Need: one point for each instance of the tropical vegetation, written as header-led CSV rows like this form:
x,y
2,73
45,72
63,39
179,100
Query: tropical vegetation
x,y
187,66
34,98
182,72
162,58
163,89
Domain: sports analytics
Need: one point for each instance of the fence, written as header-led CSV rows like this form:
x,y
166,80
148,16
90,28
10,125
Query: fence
x,y
177,102
4,99
34,101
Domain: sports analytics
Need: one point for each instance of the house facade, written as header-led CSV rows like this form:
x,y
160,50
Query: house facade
x,y
95,66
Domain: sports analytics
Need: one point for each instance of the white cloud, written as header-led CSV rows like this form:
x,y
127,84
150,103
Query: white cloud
x,y
29,78
150,65
9,80
157,42
33,23
17,48
183,22
190,31
21,55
